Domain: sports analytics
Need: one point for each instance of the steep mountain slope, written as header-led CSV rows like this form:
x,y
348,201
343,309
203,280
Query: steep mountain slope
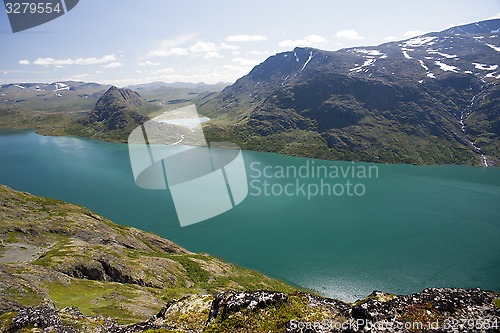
x,y
426,100
57,254
116,113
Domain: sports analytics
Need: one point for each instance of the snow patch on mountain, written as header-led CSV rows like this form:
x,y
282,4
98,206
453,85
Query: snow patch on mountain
x,y
405,54
422,63
449,56
485,67
493,75
446,68
369,52
419,41
367,62
496,48
311,55
60,86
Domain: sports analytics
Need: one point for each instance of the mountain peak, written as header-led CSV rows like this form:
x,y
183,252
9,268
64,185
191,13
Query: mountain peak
x,y
116,113
480,27
123,96
373,102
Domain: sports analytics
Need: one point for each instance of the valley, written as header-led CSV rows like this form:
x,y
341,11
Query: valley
x,y
431,99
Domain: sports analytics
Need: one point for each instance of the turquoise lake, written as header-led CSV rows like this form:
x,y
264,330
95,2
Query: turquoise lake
x,y
402,228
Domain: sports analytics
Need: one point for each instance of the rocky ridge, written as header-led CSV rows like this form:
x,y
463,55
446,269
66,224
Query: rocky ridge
x,y
432,310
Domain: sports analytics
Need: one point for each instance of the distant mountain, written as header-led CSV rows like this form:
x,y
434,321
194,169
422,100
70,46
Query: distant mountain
x,y
56,96
115,114
431,99
182,85
88,109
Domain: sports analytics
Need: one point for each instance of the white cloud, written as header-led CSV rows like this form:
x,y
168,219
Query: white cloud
x,y
311,40
149,63
203,47
170,47
79,61
212,54
80,76
113,65
246,62
497,16
176,51
225,46
209,48
226,73
166,70
413,33
349,34
24,62
245,38
98,72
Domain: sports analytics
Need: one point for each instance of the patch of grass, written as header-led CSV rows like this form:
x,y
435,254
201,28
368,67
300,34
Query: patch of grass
x,y
23,294
193,269
6,321
13,237
60,249
95,298
497,303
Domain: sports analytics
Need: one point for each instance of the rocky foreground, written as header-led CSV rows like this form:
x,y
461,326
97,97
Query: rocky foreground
x,y
432,310
66,269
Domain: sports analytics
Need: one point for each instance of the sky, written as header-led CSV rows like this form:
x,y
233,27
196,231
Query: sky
x,y
124,42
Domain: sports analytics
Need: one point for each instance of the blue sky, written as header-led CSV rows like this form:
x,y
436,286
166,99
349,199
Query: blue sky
x,y
126,42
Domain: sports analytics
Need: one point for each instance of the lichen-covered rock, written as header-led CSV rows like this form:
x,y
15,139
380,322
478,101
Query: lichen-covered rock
x,y
228,302
43,317
432,310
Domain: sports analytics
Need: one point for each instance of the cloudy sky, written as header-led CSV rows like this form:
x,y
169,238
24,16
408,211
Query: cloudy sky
x,y
125,42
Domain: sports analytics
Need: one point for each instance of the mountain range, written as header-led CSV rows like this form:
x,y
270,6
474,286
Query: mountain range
x,y
431,99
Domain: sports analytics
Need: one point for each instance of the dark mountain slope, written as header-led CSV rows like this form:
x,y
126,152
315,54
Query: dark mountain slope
x,y
115,114
397,102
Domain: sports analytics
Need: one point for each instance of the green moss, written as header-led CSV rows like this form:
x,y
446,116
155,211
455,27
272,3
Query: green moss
x,y
497,302
95,298
6,321
12,237
58,250
23,294
193,269
269,320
